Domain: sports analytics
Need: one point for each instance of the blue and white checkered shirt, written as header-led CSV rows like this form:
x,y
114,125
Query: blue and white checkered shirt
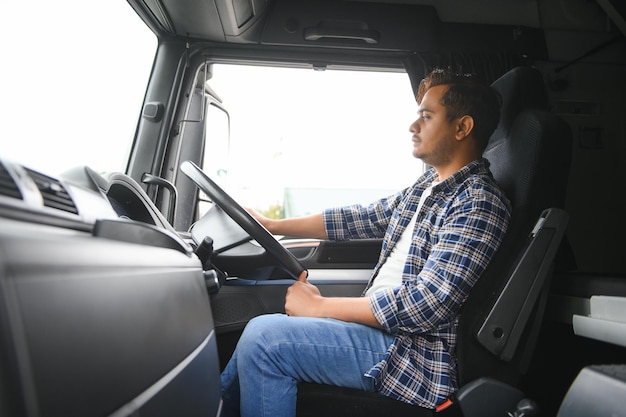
x,y
457,232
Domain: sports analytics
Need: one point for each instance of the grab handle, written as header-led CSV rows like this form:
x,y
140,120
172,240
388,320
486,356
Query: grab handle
x,y
317,33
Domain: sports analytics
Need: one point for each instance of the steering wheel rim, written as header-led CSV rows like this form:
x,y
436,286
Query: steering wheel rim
x,y
241,216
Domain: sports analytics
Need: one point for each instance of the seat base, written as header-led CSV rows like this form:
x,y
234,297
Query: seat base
x,y
483,397
324,400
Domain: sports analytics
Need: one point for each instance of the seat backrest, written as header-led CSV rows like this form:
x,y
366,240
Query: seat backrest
x,y
530,150
530,155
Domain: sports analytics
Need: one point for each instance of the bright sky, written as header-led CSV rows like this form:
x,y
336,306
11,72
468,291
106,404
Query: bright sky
x,y
323,128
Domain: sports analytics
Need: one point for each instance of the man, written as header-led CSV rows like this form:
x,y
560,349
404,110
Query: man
x,y
399,339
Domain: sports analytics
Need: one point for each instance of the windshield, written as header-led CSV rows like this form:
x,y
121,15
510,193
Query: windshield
x,y
72,87
303,140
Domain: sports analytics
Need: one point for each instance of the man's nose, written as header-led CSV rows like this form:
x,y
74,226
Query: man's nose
x,y
414,128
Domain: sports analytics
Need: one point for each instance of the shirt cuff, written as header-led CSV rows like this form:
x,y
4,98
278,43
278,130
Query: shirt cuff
x,y
333,224
383,306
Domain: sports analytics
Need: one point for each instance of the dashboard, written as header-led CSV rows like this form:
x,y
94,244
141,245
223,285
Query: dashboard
x,y
113,206
93,300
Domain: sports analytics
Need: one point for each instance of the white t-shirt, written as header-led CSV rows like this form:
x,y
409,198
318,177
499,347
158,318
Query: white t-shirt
x,y
390,273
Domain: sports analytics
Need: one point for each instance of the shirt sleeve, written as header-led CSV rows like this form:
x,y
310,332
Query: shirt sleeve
x,y
430,299
360,222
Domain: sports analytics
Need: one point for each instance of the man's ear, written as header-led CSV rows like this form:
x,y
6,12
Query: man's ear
x,y
464,127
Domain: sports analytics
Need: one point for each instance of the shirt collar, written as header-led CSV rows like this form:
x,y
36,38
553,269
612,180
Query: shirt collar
x,y
477,167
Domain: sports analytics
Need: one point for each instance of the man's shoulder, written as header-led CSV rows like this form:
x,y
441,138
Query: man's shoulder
x,y
483,187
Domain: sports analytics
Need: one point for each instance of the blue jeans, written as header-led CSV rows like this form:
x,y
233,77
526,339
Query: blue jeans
x,y
276,352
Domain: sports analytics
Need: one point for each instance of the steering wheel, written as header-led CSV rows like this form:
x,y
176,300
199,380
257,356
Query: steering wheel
x,y
248,223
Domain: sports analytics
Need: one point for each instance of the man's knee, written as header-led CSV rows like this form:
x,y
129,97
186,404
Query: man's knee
x,y
259,334
264,325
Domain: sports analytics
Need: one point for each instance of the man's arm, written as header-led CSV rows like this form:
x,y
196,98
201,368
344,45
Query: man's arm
x,y
304,299
307,226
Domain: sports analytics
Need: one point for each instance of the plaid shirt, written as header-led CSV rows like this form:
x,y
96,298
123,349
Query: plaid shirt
x,y
457,232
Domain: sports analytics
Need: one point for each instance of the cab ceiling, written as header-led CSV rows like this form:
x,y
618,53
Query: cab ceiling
x,y
244,21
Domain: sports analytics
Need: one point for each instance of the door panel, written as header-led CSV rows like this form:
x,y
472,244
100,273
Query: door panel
x,y
355,254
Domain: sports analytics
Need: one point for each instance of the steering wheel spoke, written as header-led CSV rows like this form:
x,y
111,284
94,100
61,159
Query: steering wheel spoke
x,y
239,215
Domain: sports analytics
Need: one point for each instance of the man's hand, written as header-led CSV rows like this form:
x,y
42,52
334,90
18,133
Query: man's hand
x,y
260,218
303,298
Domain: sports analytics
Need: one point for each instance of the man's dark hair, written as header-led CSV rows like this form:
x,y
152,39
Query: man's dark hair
x,y
466,95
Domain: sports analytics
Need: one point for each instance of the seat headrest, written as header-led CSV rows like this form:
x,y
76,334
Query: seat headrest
x,y
521,88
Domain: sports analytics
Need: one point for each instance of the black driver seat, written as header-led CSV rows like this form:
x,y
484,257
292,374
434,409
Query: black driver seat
x,y
530,154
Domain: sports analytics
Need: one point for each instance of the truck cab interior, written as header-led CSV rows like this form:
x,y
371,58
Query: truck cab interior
x,y
124,293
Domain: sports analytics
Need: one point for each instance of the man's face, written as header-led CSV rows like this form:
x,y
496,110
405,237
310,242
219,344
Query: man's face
x,y
433,135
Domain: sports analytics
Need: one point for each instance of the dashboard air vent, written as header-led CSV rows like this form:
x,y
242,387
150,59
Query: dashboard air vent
x,y
8,187
53,193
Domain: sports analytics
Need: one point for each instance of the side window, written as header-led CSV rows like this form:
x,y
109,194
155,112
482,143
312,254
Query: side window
x,y
303,140
82,106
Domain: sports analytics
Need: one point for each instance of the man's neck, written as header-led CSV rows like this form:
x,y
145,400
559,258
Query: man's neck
x,y
449,169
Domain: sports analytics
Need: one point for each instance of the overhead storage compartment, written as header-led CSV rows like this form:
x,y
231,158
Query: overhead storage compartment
x,y
387,27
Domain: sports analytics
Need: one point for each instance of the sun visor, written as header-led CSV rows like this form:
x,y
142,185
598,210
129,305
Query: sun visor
x,y
239,18
387,27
